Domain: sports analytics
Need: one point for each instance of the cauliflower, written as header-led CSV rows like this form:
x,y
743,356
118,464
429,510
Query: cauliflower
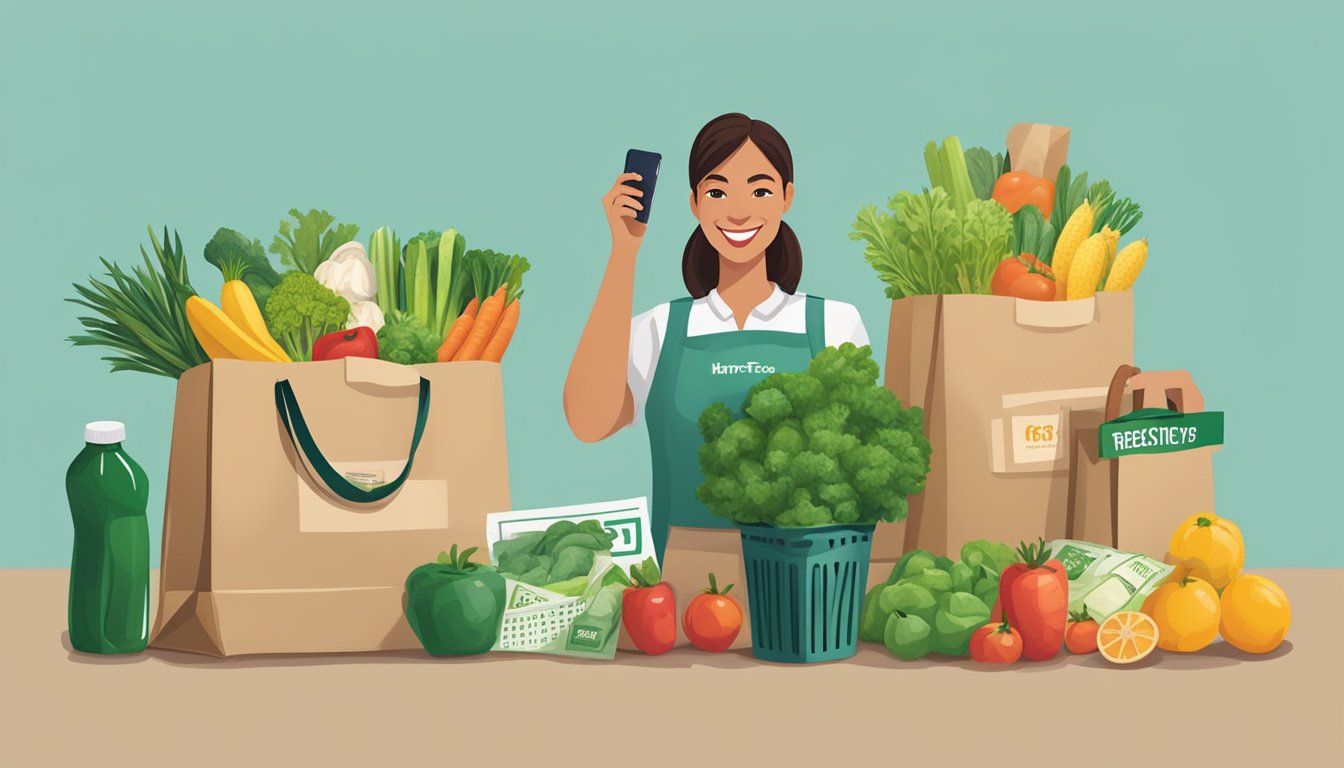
x,y
823,447
349,273
366,313
300,310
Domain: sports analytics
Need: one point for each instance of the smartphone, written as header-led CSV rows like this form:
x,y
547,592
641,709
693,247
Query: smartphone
x,y
646,164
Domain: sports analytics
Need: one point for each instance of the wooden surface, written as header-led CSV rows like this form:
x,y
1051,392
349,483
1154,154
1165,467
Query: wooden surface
x,y
686,708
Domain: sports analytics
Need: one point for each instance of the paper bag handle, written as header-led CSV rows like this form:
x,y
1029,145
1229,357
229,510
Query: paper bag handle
x,y
1176,386
287,405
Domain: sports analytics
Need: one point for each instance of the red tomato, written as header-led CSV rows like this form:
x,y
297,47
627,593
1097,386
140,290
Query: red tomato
x,y
1033,286
650,616
996,644
1081,635
712,620
1006,274
1035,598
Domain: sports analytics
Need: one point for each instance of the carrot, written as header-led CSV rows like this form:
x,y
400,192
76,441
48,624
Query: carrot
x,y
483,327
458,333
499,342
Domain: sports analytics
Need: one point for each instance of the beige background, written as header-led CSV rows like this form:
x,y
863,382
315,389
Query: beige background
x,y
687,708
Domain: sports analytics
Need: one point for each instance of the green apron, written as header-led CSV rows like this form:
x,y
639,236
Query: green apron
x,y
694,373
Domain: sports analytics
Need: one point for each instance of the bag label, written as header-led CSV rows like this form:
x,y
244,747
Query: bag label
x,y
1158,430
1036,439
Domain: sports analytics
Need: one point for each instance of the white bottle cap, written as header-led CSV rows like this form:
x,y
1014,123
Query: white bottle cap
x,y
104,432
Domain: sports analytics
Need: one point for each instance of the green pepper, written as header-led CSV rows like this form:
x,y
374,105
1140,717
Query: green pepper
x,y
455,606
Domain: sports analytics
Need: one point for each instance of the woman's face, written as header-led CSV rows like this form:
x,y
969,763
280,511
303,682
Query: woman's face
x,y
740,204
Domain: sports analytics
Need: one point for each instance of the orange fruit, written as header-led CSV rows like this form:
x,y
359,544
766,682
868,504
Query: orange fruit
x,y
1186,612
1208,547
1255,614
1127,636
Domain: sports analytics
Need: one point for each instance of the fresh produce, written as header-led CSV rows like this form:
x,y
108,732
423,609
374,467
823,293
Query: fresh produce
x,y
300,310
499,340
997,644
1128,264
1023,277
931,604
1034,595
1081,634
308,242
247,260
948,170
483,327
649,610
1089,264
142,316
712,619
1033,234
825,446
355,342
562,552
1208,547
222,338
1255,614
1186,613
433,263
1103,580
984,169
349,273
405,341
230,254
1126,637
455,606
1077,229
1016,189
457,334
385,255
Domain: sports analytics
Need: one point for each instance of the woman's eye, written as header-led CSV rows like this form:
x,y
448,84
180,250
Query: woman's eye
x,y
762,192
716,194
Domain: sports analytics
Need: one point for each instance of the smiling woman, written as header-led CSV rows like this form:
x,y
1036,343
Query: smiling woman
x,y
743,320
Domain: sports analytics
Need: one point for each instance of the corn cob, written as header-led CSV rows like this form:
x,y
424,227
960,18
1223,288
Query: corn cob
x,y
1070,238
1128,265
1112,243
1085,271
219,336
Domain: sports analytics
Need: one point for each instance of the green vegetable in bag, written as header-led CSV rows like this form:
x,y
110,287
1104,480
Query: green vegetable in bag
x,y
455,606
910,599
959,615
907,637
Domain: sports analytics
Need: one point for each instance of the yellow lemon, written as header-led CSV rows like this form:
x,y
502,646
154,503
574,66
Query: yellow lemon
x,y
1186,613
1256,614
1126,636
1208,547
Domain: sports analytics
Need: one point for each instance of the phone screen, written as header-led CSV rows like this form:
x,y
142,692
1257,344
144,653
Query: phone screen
x,y
646,164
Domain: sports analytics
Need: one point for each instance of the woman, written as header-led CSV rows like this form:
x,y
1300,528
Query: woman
x,y
742,320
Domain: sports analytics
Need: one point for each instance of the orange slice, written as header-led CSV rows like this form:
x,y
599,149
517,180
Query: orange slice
x,y
1126,637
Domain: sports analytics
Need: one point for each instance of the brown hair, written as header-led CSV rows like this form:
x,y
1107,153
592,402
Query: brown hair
x,y
720,138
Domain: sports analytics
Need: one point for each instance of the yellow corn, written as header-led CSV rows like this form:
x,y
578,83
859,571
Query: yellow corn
x,y
219,336
1128,265
1066,245
241,307
1112,242
1085,271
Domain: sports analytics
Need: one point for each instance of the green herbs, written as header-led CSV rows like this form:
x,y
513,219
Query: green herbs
x,y
931,604
1033,234
232,253
300,310
563,552
926,247
984,170
403,339
141,316
825,446
311,241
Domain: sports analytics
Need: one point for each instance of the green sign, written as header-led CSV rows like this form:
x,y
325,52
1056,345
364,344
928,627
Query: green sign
x,y
1158,430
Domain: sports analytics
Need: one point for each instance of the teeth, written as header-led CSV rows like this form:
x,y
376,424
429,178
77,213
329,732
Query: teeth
x,y
740,237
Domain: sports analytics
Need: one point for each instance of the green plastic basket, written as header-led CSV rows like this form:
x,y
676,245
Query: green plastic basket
x,y
805,590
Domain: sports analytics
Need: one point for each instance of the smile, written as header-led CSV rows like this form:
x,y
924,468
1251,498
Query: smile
x,y
739,237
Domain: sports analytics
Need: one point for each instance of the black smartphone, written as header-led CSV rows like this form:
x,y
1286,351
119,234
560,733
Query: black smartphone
x,y
646,164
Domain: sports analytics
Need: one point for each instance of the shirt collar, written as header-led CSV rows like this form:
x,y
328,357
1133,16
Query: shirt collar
x,y
765,310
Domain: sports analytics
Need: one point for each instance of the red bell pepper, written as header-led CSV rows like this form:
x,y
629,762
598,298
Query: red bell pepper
x,y
649,610
1034,596
354,342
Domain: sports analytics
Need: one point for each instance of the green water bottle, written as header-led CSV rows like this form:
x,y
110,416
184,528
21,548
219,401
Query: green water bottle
x,y
109,573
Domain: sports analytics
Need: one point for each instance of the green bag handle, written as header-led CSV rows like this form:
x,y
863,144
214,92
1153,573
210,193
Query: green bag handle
x,y
287,405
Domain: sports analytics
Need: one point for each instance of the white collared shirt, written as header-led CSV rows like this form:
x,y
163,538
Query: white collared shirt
x,y
778,312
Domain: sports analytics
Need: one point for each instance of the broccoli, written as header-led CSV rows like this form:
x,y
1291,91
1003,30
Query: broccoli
x,y
404,339
300,310
822,447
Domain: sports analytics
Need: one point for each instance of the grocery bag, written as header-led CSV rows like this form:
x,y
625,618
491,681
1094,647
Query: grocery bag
x,y
1138,473
998,379
564,574
301,495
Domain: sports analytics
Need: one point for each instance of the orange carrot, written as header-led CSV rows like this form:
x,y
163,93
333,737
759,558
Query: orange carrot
x,y
458,333
500,341
483,327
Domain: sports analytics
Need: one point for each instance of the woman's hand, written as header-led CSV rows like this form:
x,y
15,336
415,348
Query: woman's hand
x,y
620,204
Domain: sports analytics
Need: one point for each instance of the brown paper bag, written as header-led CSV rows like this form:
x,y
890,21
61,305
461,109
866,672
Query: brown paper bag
x,y
1135,503
264,550
998,378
